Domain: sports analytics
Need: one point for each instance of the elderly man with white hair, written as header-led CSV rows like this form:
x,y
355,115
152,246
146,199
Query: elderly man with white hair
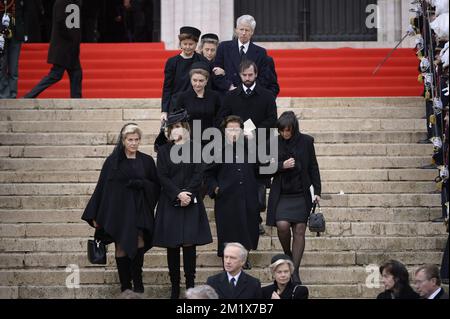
x,y
231,53
234,283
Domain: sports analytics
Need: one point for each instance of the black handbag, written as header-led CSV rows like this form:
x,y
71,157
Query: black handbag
x,y
96,250
316,221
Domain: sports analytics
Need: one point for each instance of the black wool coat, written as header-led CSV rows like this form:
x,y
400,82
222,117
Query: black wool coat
x,y
176,79
122,211
260,106
306,161
175,225
290,292
247,287
204,109
236,204
64,47
406,293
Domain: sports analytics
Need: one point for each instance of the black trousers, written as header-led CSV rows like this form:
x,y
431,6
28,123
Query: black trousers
x,y
55,75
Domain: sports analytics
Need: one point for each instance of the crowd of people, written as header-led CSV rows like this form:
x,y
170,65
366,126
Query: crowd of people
x,y
233,92
430,27
230,86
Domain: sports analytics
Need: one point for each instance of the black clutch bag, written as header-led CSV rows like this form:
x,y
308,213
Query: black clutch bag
x,y
316,221
96,250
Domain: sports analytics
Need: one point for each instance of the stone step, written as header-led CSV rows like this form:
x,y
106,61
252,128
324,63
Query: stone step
x,y
153,125
321,150
266,243
306,113
326,175
159,259
295,102
335,214
333,229
159,276
139,114
325,162
41,139
352,187
109,291
330,200
209,259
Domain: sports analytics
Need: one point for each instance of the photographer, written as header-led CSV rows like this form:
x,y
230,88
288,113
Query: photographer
x,y
12,35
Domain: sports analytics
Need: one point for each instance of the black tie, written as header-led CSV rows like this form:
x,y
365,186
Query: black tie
x,y
241,52
248,91
233,283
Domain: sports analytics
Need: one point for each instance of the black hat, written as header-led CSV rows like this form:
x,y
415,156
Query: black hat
x,y
210,36
190,30
201,65
280,256
177,116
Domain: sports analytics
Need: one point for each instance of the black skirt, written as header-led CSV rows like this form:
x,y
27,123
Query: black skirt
x,y
292,208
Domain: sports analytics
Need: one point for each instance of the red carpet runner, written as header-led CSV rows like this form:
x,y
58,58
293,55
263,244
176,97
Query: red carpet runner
x,y
136,71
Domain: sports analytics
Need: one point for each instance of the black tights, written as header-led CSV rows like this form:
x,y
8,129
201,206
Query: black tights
x,y
298,244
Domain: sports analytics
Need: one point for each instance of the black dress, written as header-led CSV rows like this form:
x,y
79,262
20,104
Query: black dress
x,y
120,211
175,225
176,78
305,174
236,204
290,292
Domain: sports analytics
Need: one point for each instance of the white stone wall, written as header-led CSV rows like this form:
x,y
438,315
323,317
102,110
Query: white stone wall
x,y
217,16
210,16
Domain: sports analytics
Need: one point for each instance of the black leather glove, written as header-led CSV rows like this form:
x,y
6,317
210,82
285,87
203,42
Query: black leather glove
x,y
135,183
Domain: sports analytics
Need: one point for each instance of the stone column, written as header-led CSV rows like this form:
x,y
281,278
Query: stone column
x,y
210,16
389,20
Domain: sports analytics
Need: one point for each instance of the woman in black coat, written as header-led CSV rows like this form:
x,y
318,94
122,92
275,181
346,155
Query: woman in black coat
x,y
200,102
176,70
283,287
234,188
181,219
290,200
121,207
395,278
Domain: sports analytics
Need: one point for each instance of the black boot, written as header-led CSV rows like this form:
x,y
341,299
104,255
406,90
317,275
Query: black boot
x,y
173,261
189,264
136,271
124,269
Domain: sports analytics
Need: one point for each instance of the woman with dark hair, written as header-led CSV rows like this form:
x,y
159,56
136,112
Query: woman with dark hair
x,y
234,188
181,219
121,207
290,199
395,278
176,70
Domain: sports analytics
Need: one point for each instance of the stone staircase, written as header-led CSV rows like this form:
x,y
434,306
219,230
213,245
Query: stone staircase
x,y
377,201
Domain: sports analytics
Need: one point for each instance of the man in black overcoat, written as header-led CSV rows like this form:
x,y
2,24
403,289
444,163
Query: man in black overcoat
x,y
234,283
63,53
